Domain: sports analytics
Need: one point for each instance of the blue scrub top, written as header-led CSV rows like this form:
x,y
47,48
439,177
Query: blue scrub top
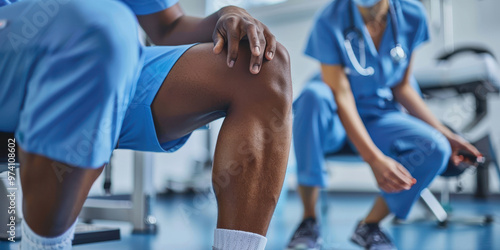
x,y
326,44
139,7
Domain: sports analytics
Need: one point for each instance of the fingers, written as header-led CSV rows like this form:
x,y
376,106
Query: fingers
x,y
235,24
388,187
456,158
461,144
271,44
472,149
398,179
257,43
233,35
407,174
218,42
254,39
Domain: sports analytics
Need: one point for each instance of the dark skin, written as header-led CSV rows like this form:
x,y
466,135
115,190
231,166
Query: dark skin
x,y
231,24
253,145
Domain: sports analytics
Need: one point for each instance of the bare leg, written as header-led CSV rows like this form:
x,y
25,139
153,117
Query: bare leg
x,y
253,145
309,196
379,211
53,193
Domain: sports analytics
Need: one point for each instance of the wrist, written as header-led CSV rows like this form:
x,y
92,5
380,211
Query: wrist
x,y
225,10
446,132
373,156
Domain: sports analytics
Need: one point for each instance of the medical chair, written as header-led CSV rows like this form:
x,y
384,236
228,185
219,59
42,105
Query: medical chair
x,y
468,70
84,233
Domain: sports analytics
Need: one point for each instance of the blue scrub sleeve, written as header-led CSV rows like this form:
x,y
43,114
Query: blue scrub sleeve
x,y
144,7
5,2
323,45
422,34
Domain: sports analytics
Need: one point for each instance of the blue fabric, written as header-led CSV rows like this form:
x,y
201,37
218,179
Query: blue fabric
x,y
144,7
366,3
68,80
139,7
317,130
326,44
138,131
5,2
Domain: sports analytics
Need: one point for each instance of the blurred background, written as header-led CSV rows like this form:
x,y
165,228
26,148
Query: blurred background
x,y
474,22
186,209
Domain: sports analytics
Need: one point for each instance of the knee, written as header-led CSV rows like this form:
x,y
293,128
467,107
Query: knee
x,y
442,153
434,153
275,75
314,98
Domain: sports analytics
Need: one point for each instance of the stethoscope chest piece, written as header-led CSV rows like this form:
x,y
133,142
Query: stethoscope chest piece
x,y
3,23
397,53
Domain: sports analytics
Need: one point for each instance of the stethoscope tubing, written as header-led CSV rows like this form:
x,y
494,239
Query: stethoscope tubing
x,y
397,53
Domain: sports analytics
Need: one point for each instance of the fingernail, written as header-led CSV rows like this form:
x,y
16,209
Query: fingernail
x,y
257,49
231,63
255,68
270,55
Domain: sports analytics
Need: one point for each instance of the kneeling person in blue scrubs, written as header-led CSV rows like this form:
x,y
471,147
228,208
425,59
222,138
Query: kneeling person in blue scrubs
x,y
76,84
365,49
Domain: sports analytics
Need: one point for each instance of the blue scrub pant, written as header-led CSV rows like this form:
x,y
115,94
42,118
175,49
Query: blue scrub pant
x,y
317,130
69,71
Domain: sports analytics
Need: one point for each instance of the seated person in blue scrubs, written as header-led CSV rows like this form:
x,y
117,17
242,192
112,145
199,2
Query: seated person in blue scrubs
x,y
365,49
76,84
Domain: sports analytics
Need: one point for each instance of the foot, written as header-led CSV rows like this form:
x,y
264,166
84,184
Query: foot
x,y
371,237
306,237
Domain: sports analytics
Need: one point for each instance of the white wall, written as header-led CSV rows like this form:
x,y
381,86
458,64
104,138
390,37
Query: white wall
x,y
474,22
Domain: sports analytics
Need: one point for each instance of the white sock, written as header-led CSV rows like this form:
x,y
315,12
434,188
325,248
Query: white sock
x,y
32,241
226,239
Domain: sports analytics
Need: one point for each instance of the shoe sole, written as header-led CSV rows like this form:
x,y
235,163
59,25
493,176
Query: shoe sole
x,y
319,242
358,241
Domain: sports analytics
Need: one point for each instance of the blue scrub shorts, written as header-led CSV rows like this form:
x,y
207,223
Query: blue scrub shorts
x,y
75,81
138,130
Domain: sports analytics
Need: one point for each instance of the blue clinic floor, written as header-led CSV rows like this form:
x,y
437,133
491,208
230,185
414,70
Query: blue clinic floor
x,y
187,222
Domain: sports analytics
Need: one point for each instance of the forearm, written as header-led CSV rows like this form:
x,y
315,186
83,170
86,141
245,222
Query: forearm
x,y
355,129
411,100
172,27
188,29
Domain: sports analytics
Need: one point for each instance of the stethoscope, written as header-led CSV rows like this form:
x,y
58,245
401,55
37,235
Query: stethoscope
x,y
397,53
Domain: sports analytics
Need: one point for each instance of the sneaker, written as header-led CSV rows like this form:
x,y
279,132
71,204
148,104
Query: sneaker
x,y
371,237
306,237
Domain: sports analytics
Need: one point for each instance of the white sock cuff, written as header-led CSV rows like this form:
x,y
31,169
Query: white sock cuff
x,y
226,239
30,240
